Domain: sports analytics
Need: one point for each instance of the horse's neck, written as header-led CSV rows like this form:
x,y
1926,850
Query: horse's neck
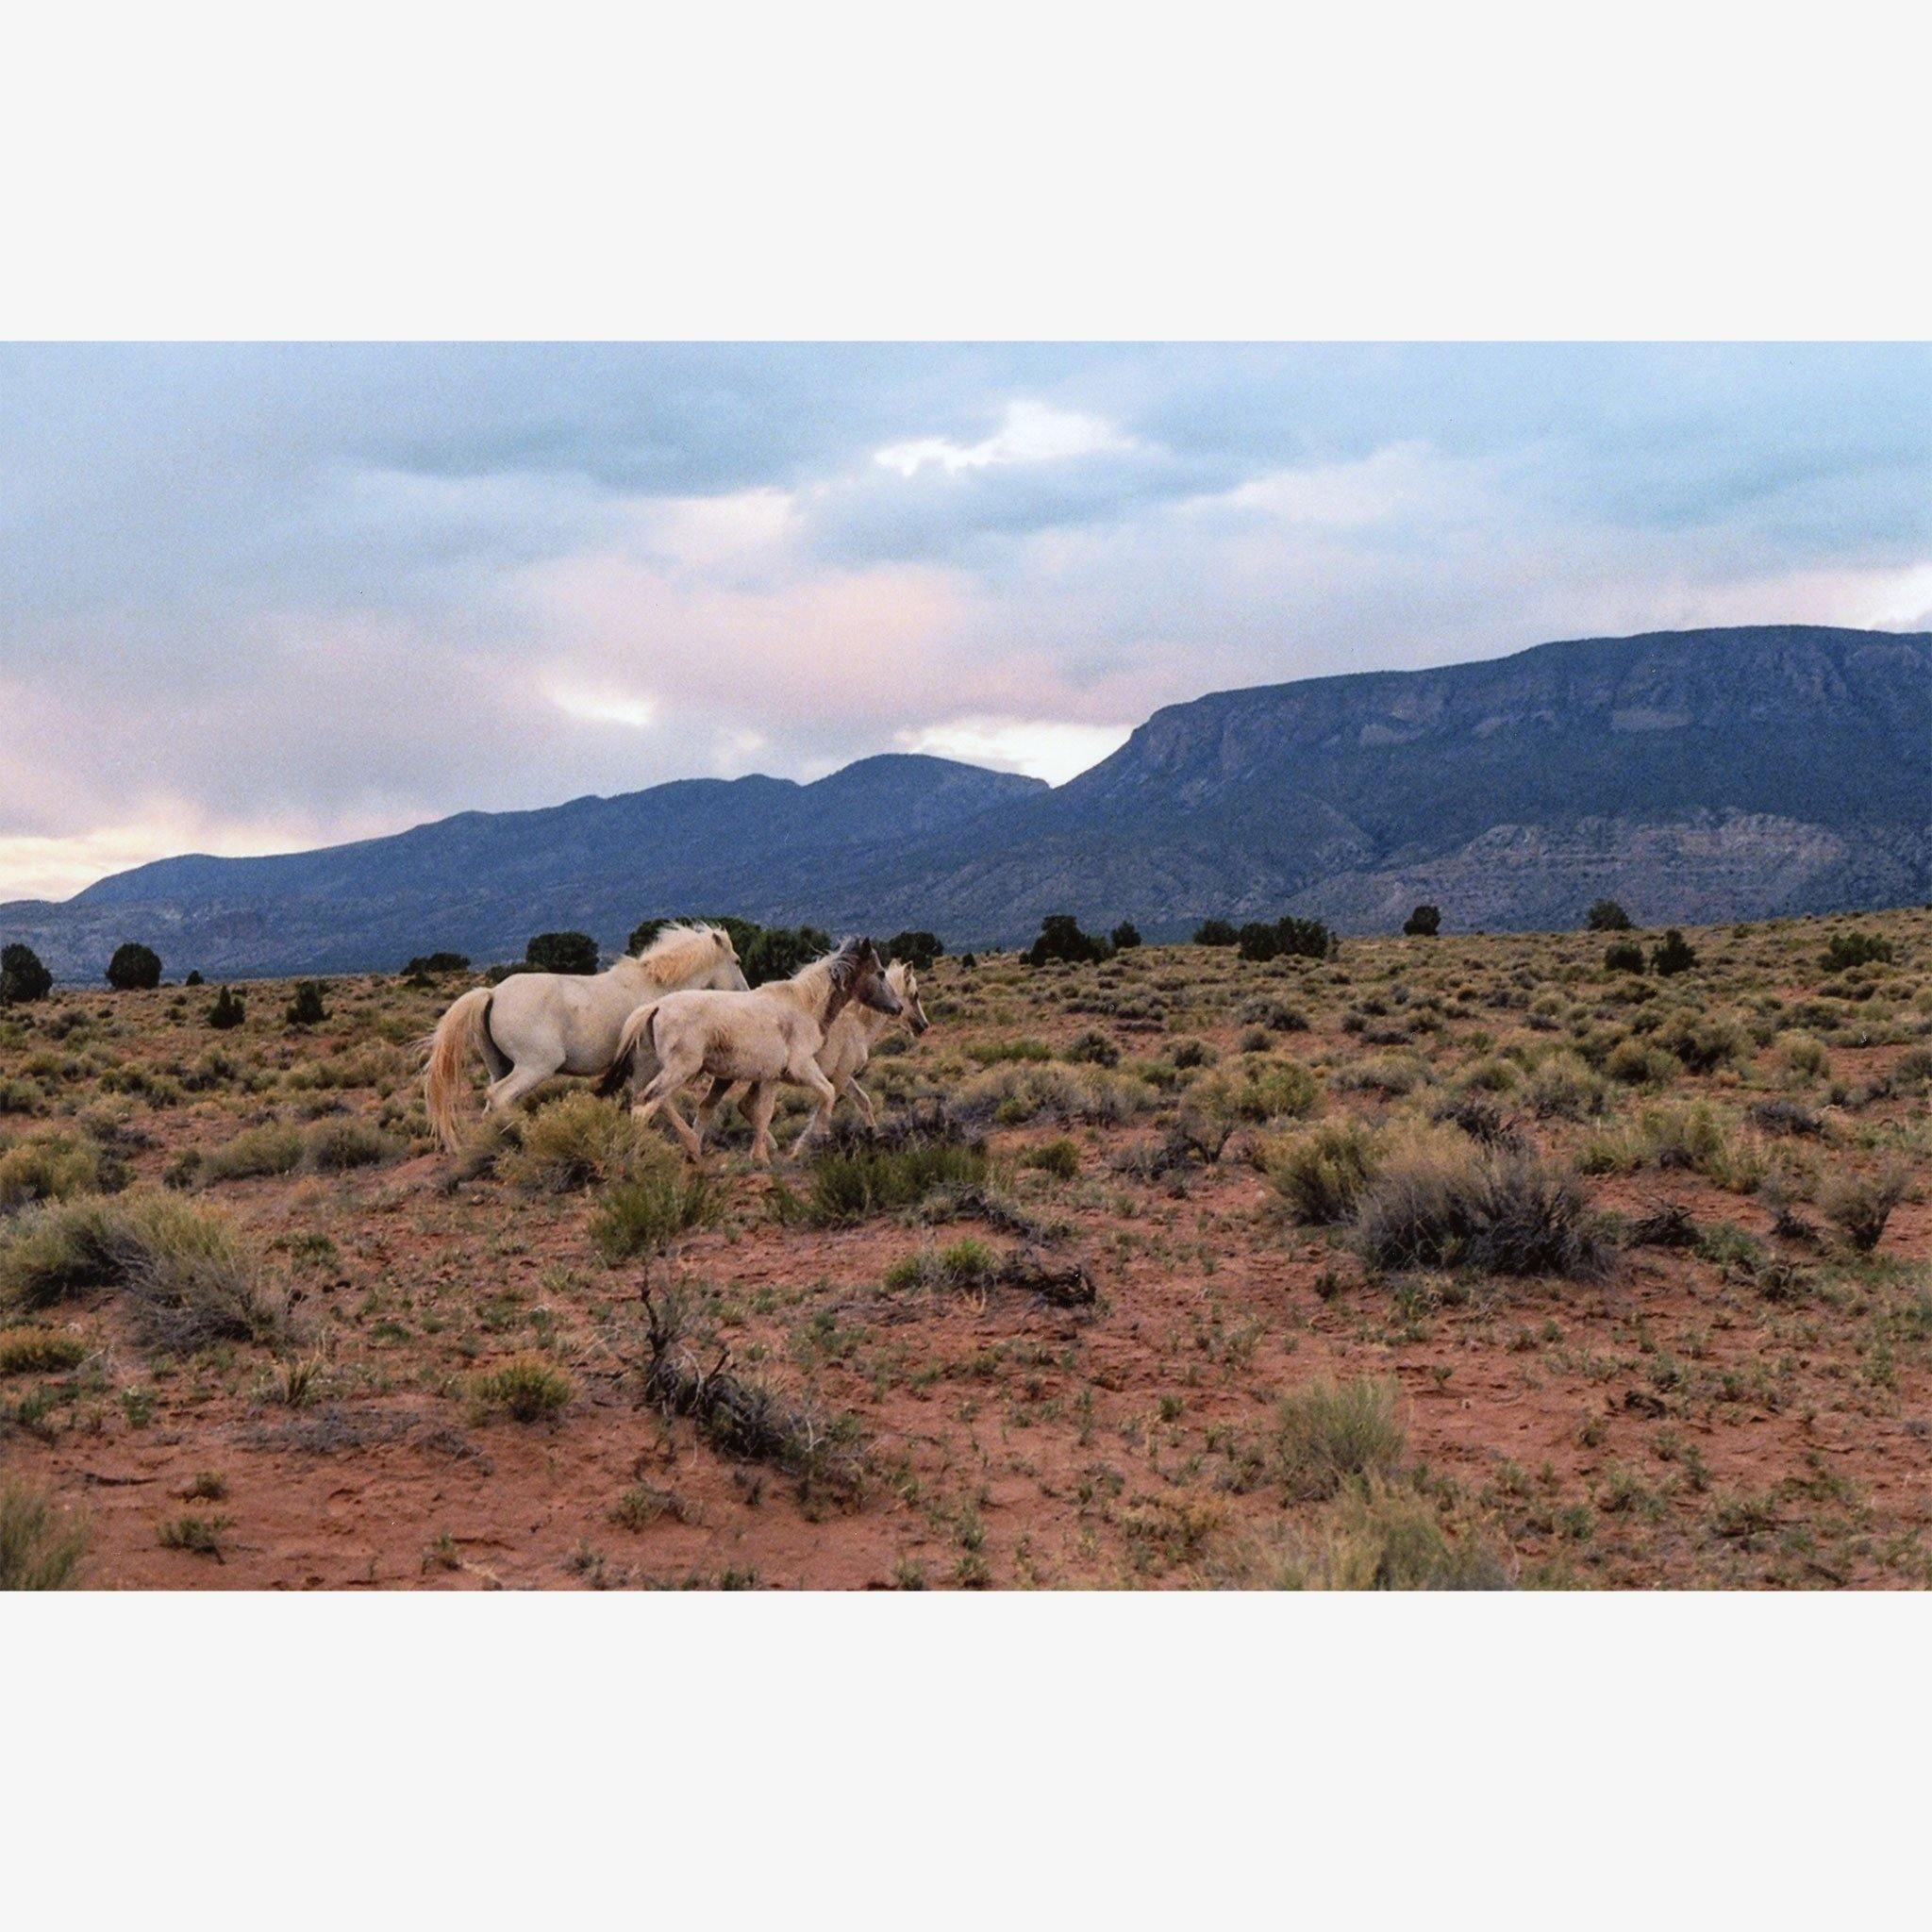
x,y
814,994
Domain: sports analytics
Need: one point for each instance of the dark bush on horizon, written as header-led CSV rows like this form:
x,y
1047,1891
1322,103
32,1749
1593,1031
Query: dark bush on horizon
x,y
134,968
779,951
1606,916
1061,937
1215,932
307,1007
1425,923
434,965
1844,950
1624,956
1126,936
561,952
1674,953
226,1011
23,978
919,950
1288,938
741,932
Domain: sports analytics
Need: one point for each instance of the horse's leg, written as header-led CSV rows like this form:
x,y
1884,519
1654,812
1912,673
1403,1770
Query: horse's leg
x,y
758,1104
670,1078
827,1095
710,1105
518,1081
862,1101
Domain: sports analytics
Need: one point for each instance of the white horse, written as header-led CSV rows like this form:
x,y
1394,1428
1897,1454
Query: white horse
x,y
771,1034
539,1024
849,1042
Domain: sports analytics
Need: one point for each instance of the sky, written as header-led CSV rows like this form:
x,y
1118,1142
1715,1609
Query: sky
x,y
256,598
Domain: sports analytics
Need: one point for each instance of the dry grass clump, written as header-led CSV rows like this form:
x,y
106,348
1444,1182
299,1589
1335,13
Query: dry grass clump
x,y
30,1350
334,1145
1256,1090
47,1167
1563,1087
1858,1206
1329,1433
39,1548
273,1147
1438,1203
1389,1074
1014,1093
182,1269
1321,1173
575,1143
1379,1537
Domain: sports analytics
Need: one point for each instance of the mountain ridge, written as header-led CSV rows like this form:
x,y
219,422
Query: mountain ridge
x,y
1697,774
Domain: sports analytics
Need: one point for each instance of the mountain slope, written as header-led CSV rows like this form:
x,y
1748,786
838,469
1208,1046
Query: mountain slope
x,y
482,882
1702,775
1695,775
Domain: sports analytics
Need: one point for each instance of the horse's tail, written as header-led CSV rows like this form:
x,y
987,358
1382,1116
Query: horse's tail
x,y
459,1033
633,1043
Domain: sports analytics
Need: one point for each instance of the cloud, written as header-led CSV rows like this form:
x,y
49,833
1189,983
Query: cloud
x,y
1041,748
1029,432
258,597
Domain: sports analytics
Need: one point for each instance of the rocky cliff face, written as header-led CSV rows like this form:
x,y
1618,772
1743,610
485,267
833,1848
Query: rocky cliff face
x,y
1696,775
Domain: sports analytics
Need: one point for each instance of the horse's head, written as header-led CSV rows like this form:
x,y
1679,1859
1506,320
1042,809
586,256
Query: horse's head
x,y
905,982
727,975
871,985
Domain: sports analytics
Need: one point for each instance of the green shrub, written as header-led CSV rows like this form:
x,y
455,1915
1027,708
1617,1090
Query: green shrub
x,y
1329,1433
1061,1159
228,1011
306,1007
1624,956
1061,937
643,1216
1093,1048
527,1388
1215,932
23,978
1321,1173
39,1549
847,1187
1425,923
1125,935
561,952
1674,954
436,965
919,950
134,968
776,952
1844,950
1606,916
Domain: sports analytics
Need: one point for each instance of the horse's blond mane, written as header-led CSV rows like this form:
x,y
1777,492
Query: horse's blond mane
x,y
674,953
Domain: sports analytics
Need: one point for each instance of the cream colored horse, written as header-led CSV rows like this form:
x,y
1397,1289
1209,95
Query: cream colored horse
x,y
771,1034
539,1024
849,1042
